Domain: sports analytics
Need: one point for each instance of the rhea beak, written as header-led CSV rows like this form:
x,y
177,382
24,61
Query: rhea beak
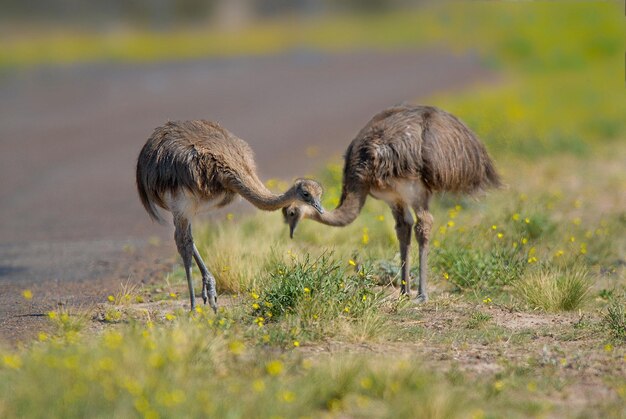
x,y
292,228
318,206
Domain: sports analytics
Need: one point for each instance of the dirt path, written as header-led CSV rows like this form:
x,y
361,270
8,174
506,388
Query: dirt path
x,y
71,225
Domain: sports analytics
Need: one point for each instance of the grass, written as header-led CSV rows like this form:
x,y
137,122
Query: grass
x,y
558,289
526,284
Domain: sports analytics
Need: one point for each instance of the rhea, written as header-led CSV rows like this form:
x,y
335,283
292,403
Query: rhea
x,y
403,156
187,167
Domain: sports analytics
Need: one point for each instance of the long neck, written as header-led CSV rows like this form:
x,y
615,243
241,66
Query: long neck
x,y
255,192
349,207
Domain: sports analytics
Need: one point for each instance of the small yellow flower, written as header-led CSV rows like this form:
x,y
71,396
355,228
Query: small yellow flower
x,y
296,343
532,386
563,361
274,367
351,262
236,347
254,295
364,298
346,309
256,306
199,310
527,220
515,217
42,337
258,385
446,276
173,295
572,239
111,298
608,347
500,235
450,223
559,253
583,248
230,216
366,383
494,227
307,290
27,294
524,240
532,259
170,316
52,315
498,385
487,300
12,361
288,396
436,243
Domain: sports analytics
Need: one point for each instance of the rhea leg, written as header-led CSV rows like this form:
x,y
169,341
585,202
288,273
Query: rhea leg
x,y
404,221
209,292
422,234
184,243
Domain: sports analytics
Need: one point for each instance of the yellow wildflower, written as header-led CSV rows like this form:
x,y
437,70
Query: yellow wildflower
x,y
296,343
351,262
111,298
608,347
515,217
258,385
274,367
230,216
494,227
27,294
450,223
236,347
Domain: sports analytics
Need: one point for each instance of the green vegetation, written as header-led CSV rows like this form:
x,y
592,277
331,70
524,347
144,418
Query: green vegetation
x,y
527,284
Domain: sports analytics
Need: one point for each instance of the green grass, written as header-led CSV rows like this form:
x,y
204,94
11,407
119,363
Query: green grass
x,y
555,289
526,283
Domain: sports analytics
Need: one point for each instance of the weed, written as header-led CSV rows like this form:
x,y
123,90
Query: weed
x,y
615,319
555,289
478,319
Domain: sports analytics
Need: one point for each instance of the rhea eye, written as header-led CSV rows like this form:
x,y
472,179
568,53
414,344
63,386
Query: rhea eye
x,y
305,194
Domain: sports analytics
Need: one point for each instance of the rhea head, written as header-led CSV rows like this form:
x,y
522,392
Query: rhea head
x,y
294,213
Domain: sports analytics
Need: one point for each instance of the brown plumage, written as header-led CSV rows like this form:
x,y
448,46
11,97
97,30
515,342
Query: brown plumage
x,y
187,167
403,155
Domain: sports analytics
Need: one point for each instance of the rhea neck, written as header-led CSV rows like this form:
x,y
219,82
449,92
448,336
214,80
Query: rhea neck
x,y
258,195
349,207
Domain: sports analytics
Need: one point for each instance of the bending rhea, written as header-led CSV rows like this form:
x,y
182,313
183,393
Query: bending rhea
x,y
402,156
188,167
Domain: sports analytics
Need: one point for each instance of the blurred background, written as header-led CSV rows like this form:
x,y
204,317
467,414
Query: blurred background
x,y
84,83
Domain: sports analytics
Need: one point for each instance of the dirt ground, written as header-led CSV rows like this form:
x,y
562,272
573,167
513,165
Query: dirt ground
x,y
71,226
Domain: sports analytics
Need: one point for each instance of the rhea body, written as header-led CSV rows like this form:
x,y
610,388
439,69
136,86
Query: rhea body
x,y
403,156
188,167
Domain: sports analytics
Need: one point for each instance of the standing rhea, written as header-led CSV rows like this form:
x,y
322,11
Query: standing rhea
x,y
190,166
403,155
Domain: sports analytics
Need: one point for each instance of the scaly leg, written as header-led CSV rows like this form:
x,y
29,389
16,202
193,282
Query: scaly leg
x,y
209,292
422,234
184,243
404,221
